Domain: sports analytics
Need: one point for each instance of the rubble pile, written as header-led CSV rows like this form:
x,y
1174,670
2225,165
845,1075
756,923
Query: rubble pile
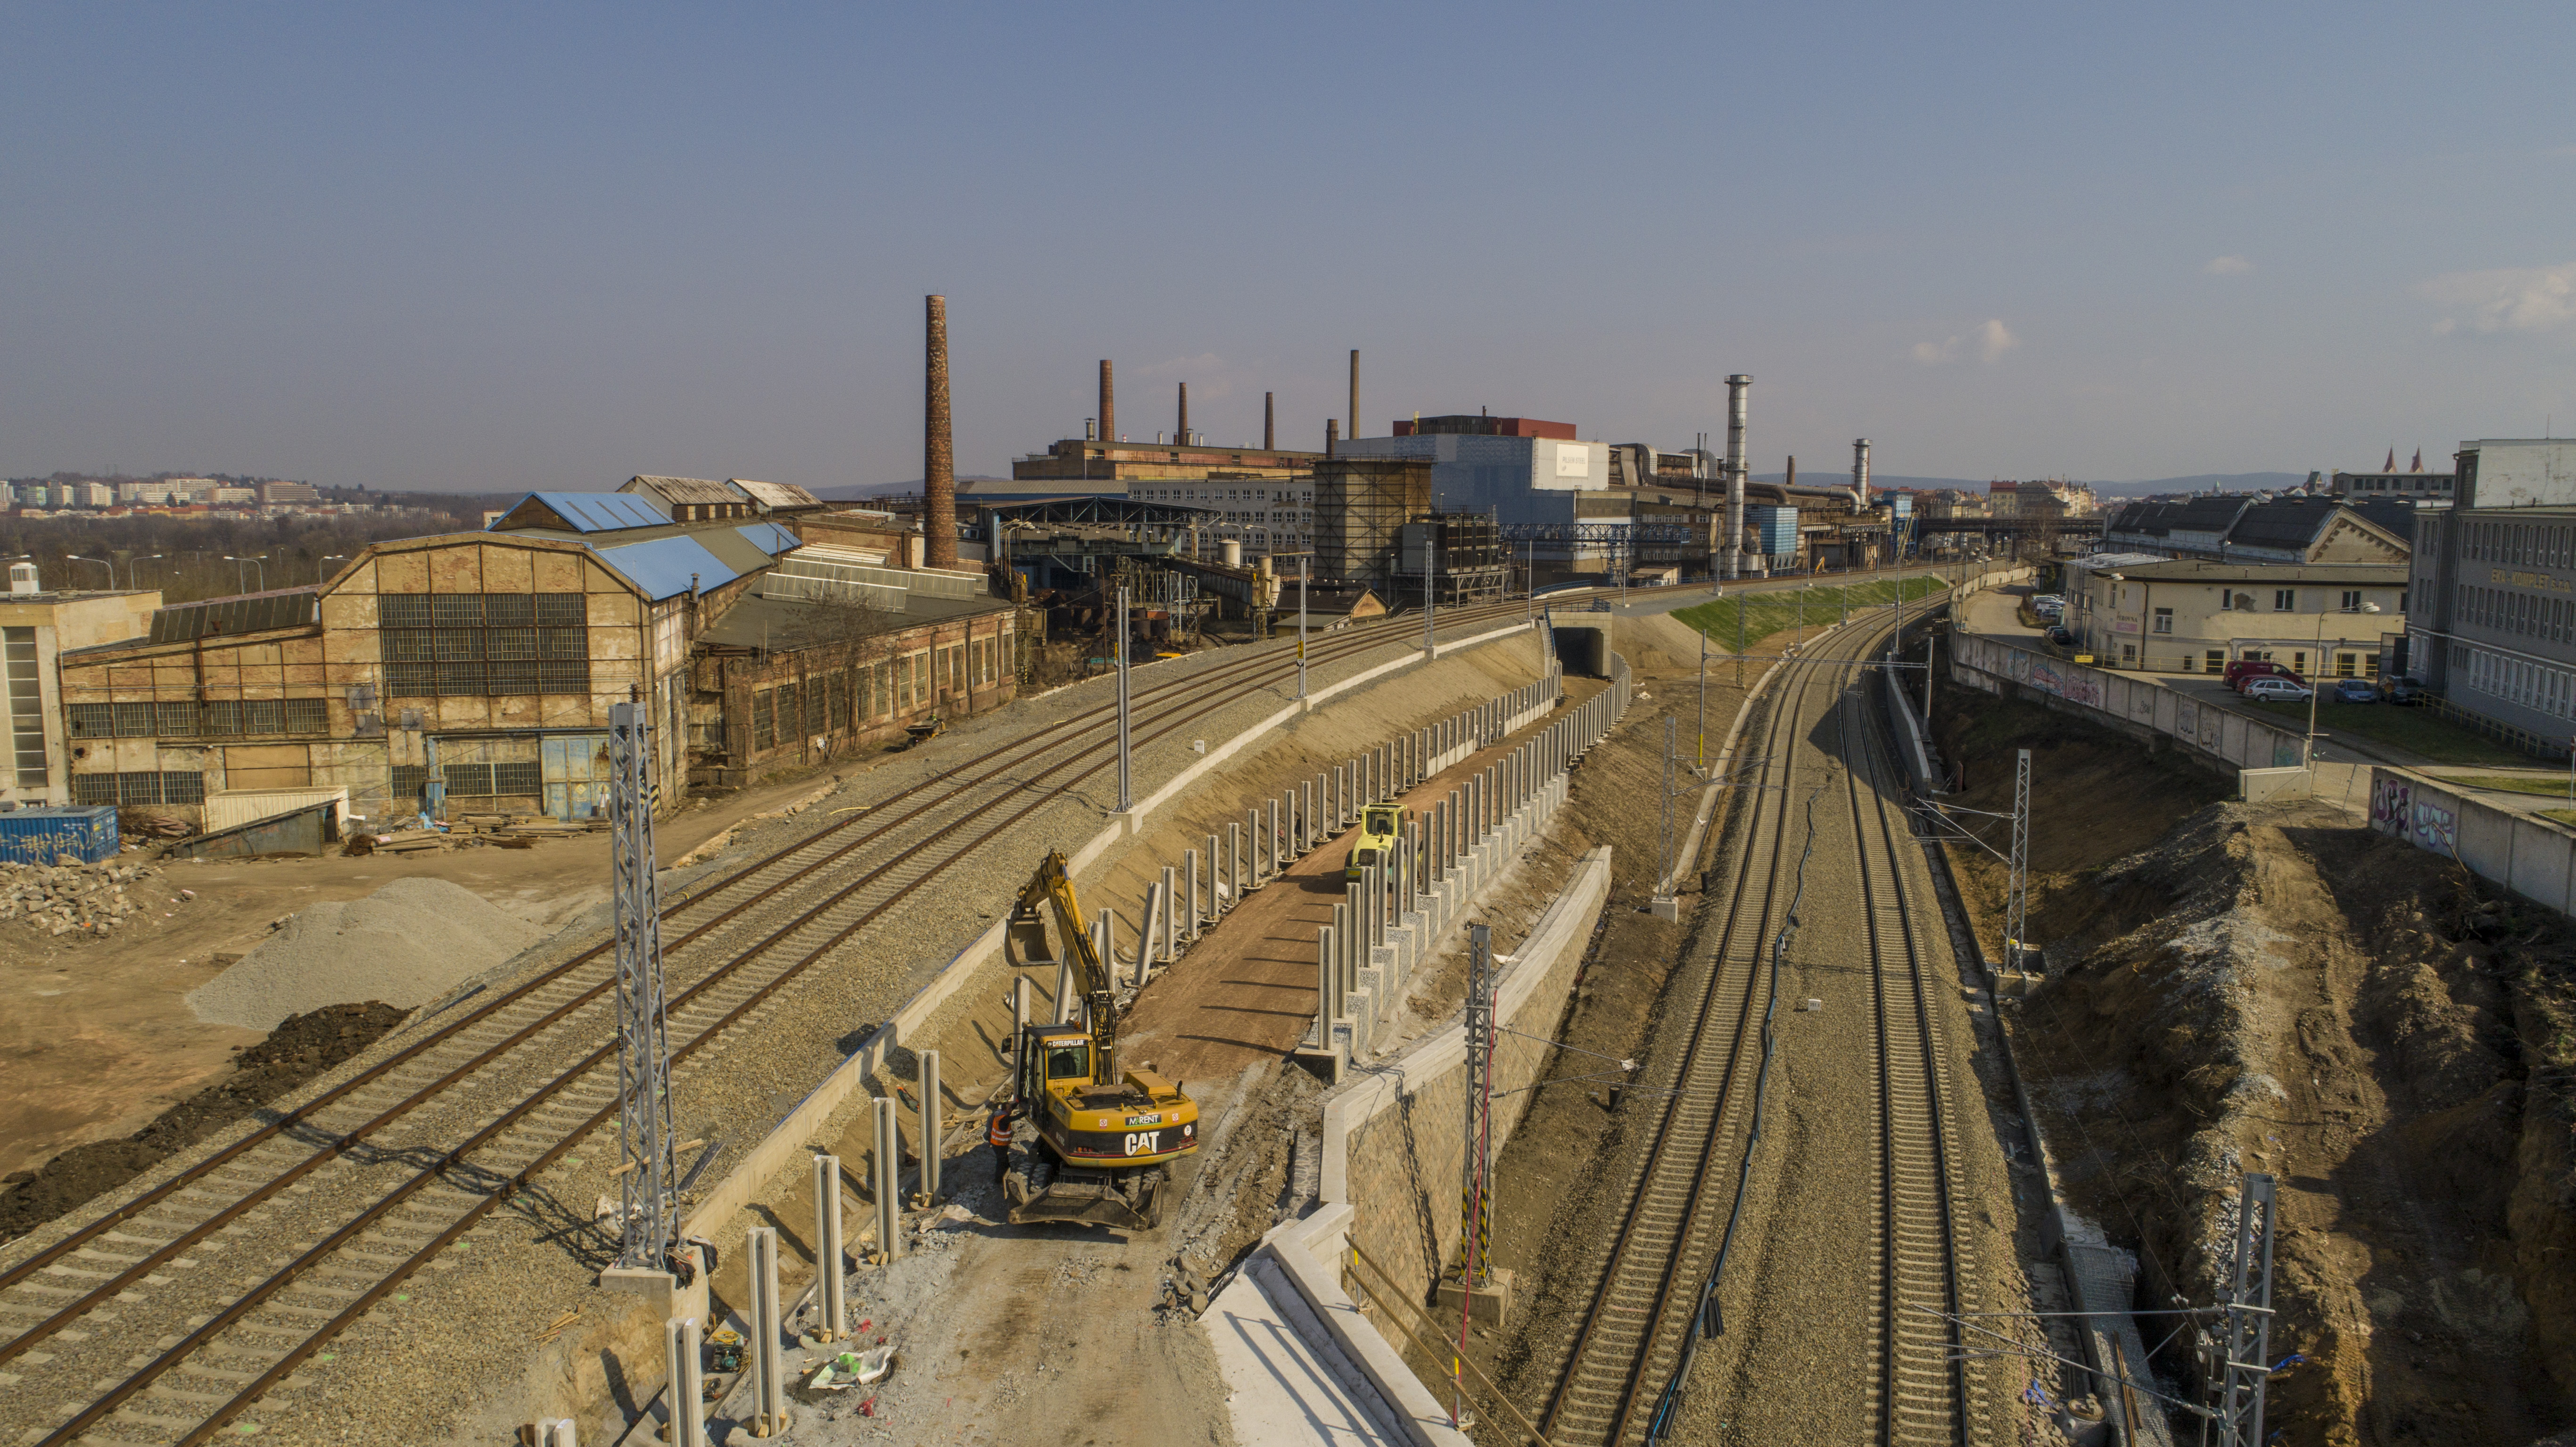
x,y
60,898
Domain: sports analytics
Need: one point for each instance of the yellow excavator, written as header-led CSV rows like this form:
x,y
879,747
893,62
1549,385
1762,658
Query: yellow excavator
x,y
1090,1142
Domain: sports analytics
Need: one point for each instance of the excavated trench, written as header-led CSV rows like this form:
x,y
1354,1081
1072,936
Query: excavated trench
x,y
2276,988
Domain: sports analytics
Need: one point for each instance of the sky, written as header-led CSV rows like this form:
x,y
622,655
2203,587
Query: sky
x,y
501,248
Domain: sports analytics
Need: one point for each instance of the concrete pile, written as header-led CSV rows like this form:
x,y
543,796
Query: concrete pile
x,y
60,898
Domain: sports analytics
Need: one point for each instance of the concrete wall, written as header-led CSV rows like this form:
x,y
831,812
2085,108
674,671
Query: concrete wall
x,y
2532,856
2143,710
1393,1139
784,1148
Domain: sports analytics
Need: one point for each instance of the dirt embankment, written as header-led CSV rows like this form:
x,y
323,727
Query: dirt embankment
x,y
2277,989
300,1048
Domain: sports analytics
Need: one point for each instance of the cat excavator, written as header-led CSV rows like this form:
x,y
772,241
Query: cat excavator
x,y
1091,1142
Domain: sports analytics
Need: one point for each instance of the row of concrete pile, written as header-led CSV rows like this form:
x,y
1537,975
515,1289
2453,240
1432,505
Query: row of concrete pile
x,y
59,898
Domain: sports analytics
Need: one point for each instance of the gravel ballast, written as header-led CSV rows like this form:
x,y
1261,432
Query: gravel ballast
x,y
406,944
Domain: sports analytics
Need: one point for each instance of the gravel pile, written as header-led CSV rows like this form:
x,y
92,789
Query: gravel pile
x,y
60,898
405,944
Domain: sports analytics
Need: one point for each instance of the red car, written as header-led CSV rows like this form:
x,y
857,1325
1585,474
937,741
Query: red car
x,y
2241,670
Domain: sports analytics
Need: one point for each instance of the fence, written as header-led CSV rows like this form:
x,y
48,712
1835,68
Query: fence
x,y
2134,706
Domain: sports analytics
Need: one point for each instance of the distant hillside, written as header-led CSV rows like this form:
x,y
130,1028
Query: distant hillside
x,y
858,492
2204,482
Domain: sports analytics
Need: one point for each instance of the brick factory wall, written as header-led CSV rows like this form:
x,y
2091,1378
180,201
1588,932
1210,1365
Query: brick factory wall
x,y
1393,1138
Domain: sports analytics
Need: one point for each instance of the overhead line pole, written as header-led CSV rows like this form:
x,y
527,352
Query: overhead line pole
x,y
1126,780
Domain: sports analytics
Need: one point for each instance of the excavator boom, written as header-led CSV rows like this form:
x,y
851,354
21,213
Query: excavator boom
x,y
1052,887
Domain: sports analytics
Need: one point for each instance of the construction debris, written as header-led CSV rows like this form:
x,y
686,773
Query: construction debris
x,y
60,898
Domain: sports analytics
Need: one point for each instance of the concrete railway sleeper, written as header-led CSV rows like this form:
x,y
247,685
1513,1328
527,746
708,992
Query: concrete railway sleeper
x,y
404,1067
1923,1391
500,1186
1618,1379
1660,1240
365,1109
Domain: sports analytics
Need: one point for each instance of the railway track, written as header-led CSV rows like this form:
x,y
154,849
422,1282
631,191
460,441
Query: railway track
x,y
1646,1300
375,1178
1922,1391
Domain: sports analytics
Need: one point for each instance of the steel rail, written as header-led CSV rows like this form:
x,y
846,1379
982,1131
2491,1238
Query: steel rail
x,y
1023,749
371,1215
1780,720
1910,1125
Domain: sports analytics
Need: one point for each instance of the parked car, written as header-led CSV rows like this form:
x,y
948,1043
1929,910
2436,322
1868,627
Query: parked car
x,y
2404,692
2061,635
2242,670
2275,689
2355,690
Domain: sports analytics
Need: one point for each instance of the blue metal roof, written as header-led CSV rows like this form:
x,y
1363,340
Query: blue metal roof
x,y
662,567
600,512
770,538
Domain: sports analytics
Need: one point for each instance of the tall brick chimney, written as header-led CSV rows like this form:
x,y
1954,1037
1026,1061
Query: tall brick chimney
x,y
1269,420
1332,435
1108,402
1182,437
1355,392
938,451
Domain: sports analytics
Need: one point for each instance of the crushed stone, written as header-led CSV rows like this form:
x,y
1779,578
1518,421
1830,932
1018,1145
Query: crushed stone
x,y
405,944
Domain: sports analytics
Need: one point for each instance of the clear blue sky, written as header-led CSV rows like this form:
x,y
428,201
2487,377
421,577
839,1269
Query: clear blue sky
x,y
543,246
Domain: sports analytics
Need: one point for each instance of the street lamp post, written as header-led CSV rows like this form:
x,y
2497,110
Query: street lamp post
x,y
238,582
320,572
102,562
2315,687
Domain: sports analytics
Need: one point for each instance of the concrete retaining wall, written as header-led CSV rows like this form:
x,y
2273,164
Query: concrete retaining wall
x,y
2143,710
1393,1136
785,1146
2532,856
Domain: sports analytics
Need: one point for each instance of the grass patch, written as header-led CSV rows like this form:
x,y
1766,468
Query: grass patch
x,y
2513,783
1752,617
2563,816
2418,730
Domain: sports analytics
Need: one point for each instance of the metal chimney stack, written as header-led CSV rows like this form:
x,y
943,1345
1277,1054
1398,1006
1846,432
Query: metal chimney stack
x,y
1736,387
939,457
1108,402
1182,437
1860,471
1355,392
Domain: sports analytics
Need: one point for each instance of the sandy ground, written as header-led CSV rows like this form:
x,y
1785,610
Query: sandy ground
x,y
97,1038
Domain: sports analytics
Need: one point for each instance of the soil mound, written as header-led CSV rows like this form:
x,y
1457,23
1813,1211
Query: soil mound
x,y
406,944
296,1051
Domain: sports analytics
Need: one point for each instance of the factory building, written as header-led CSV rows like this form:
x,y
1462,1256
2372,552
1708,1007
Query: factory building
x,y
474,672
2493,629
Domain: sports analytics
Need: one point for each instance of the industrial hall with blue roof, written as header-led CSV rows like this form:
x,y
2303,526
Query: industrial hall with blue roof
x,y
474,672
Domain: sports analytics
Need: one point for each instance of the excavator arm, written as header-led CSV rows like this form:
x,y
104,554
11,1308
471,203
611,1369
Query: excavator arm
x,y
1052,887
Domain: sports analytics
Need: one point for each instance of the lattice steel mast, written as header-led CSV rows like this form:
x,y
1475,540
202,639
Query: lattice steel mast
x,y
650,1219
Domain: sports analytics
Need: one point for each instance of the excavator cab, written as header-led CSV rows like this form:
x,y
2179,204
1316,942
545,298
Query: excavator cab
x,y
1381,825
1094,1141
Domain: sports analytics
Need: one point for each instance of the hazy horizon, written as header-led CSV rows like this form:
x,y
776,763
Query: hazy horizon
x,y
483,249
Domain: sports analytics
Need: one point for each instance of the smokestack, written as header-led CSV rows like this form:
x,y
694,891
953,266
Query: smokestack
x,y
1268,418
1182,437
1332,435
1108,402
1736,387
1860,471
1792,479
939,457
1355,391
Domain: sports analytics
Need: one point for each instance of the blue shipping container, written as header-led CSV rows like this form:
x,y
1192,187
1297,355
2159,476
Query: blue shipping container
x,y
87,832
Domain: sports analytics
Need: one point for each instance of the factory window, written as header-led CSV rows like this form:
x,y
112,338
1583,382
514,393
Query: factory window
x,y
2285,600
93,721
474,781
921,678
26,706
525,780
2214,661
140,787
881,695
2164,620
764,721
410,781
2352,600
839,719
484,643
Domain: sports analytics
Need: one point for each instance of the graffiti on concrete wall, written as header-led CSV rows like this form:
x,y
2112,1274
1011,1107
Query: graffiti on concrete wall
x,y
2437,828
2390,803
